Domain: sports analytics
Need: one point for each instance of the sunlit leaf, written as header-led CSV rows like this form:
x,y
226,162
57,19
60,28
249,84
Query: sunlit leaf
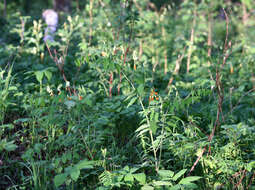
x,y
187,180
141,177
179,174
75,173
39,75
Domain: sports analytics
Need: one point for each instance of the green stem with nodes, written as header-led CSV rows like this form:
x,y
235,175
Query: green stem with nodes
x,y
148,123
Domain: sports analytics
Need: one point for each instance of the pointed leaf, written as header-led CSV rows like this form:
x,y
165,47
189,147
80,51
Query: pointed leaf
x,y
141,177
179,174
161,183
166,173
132,101
60,179
75,173
9,146
48,74
129,178
84,164
39,75
187,180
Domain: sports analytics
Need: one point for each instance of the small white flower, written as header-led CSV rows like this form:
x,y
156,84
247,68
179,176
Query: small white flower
x,y
135,55
67,84
59,87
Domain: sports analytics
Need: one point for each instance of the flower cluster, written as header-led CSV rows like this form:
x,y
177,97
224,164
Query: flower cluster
x,y
153,96
72,92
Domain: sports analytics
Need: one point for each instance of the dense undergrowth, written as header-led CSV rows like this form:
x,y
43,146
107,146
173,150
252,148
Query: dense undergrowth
x,y
138,95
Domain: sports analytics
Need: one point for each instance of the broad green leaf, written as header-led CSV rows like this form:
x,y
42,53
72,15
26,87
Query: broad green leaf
x,y
60,179
64,158
84,164
75,173
126,168
129,178
12,88
18,94
176,187
38,147
10,146
166,173
119,177
48,74
187,180
161,183
88,100
251,166
179,174
190,186
133,170
69,156
39,76
7,126
141,177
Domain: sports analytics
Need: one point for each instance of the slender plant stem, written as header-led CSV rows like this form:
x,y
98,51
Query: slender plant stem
x,y
148,123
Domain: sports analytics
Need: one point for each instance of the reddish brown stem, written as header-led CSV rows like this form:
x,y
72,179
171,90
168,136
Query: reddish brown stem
x,y
119,84
240,181
209,39
177,68
165,51
245,14
110,84
220,92
252,178
90,20
140,50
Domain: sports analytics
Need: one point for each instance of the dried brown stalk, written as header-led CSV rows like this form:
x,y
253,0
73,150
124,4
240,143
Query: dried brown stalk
x,y
245,14
252,178
90,20
60,64
191,40
241,179
155,60
177,68
140,50
220,92
165,50
209,39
